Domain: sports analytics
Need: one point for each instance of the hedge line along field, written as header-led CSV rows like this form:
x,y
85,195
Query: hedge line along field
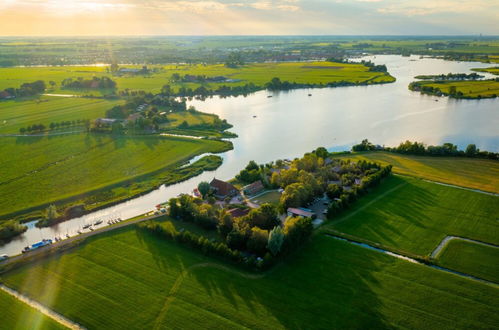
x,y
45,110
63,166
131,279
16,315
417,215
256,73
473,173
471,258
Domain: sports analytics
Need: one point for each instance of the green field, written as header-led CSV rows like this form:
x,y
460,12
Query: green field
x,y
16,315
470,89
471,258
61,167
131,279
256,73
413,215
465,172
493,70
17,114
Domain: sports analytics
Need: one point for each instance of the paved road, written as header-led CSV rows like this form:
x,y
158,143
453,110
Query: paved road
x,y
77,237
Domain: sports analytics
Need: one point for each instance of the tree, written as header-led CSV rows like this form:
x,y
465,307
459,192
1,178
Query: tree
x,y
225,223
297,229
334,191
257,242
52,83
22,130
322,152
51,213
204,188
236,239
471,150
114,67
264,217
276,238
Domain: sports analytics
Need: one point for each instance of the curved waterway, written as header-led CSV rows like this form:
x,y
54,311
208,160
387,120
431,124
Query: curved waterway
x,y
288,124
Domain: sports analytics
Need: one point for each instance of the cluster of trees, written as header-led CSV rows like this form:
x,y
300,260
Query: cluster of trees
x,y
253,172
446,149
451,76
419,148
234,60
203,92
10,229
132,105
258,233
26,89
343,199
373,67
94,83
35,128
424,88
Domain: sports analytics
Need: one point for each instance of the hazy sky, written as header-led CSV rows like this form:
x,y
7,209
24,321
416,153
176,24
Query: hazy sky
x,y
231,17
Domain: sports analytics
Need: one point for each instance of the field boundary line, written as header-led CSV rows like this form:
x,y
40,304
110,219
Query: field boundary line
x,y
348,216
412,260
42,309
443,244
449,185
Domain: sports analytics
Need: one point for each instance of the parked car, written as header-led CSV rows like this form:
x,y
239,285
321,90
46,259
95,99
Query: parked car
x,y
3,257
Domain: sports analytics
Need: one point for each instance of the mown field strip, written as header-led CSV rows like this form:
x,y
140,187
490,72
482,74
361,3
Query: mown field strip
x,y
447,239
459,187
396,255
42,309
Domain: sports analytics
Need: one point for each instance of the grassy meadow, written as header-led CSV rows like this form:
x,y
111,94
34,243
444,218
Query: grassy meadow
x,y
413,215
471,258
44,110
16,315
256,73
493,70
131,279
473,173
61,167
471,88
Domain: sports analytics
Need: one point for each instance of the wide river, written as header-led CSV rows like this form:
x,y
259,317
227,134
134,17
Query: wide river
x,y
289,124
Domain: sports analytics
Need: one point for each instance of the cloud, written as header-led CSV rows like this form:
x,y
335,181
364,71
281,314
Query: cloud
x,y
431,7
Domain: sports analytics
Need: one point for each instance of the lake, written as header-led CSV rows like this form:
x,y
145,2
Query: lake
x,y
291,123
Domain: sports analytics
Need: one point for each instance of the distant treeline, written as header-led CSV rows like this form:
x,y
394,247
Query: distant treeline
x,y
26,89
422,87
419,148
450,76
94,83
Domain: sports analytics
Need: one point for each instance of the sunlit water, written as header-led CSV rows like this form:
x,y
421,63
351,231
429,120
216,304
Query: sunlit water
x,y
289,124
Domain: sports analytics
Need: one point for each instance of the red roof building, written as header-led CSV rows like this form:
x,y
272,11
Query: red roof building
x,y
222,189
254,188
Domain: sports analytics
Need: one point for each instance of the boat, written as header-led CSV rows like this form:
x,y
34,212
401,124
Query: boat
x,y
79,232
87,226
67,236
269,96
91,229
38,245
309,94
254,116
98,222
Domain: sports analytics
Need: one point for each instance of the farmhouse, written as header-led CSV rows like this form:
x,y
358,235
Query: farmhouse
x,y
222,189
253,188
105,121
300,212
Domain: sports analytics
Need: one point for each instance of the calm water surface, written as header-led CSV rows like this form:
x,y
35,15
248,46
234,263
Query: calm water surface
x,y
289,124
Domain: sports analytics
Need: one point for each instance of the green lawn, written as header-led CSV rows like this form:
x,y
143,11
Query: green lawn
x,y
466,172
256,73
471,258
132,279
417,215
272,197
16,114
60,167
16,315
